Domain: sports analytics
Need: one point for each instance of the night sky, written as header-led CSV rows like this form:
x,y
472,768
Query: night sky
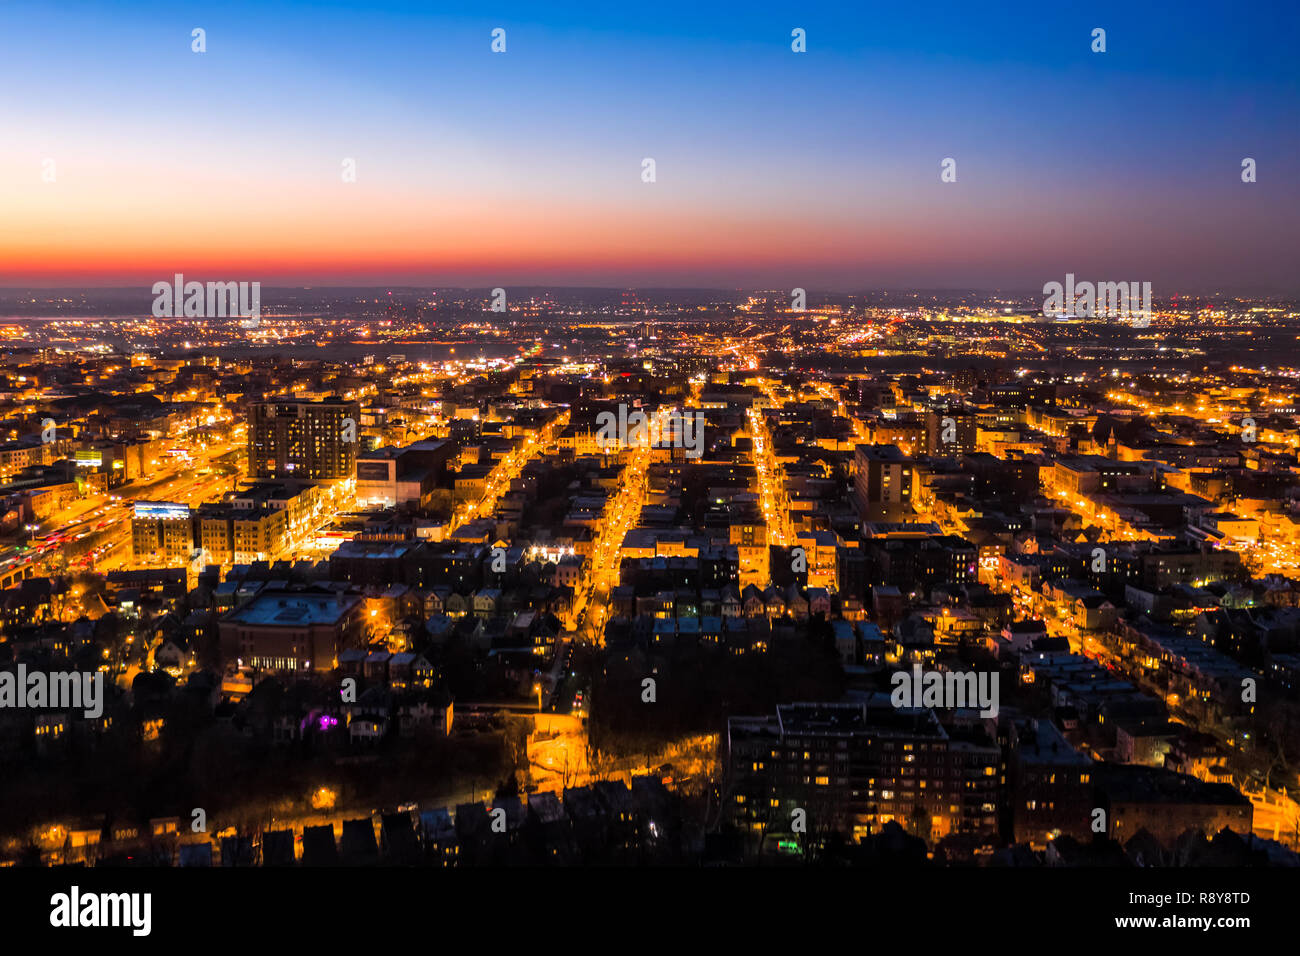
x,y
773,168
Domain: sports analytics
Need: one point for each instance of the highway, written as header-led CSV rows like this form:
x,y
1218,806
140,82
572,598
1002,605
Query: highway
x,y
94,533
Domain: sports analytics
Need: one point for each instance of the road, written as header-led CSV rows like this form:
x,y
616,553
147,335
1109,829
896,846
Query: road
x,y
94,533
505,471
600,573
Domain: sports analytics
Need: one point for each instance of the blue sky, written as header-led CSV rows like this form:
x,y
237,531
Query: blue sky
x,y
820,168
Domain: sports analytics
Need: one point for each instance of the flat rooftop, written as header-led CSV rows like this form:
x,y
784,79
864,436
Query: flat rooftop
x,y
294,609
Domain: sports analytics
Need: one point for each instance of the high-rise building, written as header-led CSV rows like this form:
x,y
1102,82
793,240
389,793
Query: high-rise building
x,y
231,533
1051,786
162,534
749,537
883,483
316,441
950,431
855,766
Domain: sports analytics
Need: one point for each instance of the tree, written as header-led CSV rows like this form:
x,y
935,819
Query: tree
x,y
600,763
507,788
919,819
568,771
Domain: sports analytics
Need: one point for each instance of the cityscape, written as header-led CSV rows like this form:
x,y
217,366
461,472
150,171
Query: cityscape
x,y
310,566
790,440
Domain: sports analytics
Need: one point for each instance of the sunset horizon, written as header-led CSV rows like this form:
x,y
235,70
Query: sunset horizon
x,y
402,148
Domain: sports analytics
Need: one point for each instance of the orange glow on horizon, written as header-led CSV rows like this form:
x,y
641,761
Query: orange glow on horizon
x,y
85,232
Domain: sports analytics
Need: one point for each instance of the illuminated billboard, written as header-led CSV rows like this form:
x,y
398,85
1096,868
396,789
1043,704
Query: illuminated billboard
x,y
161,510
88,458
